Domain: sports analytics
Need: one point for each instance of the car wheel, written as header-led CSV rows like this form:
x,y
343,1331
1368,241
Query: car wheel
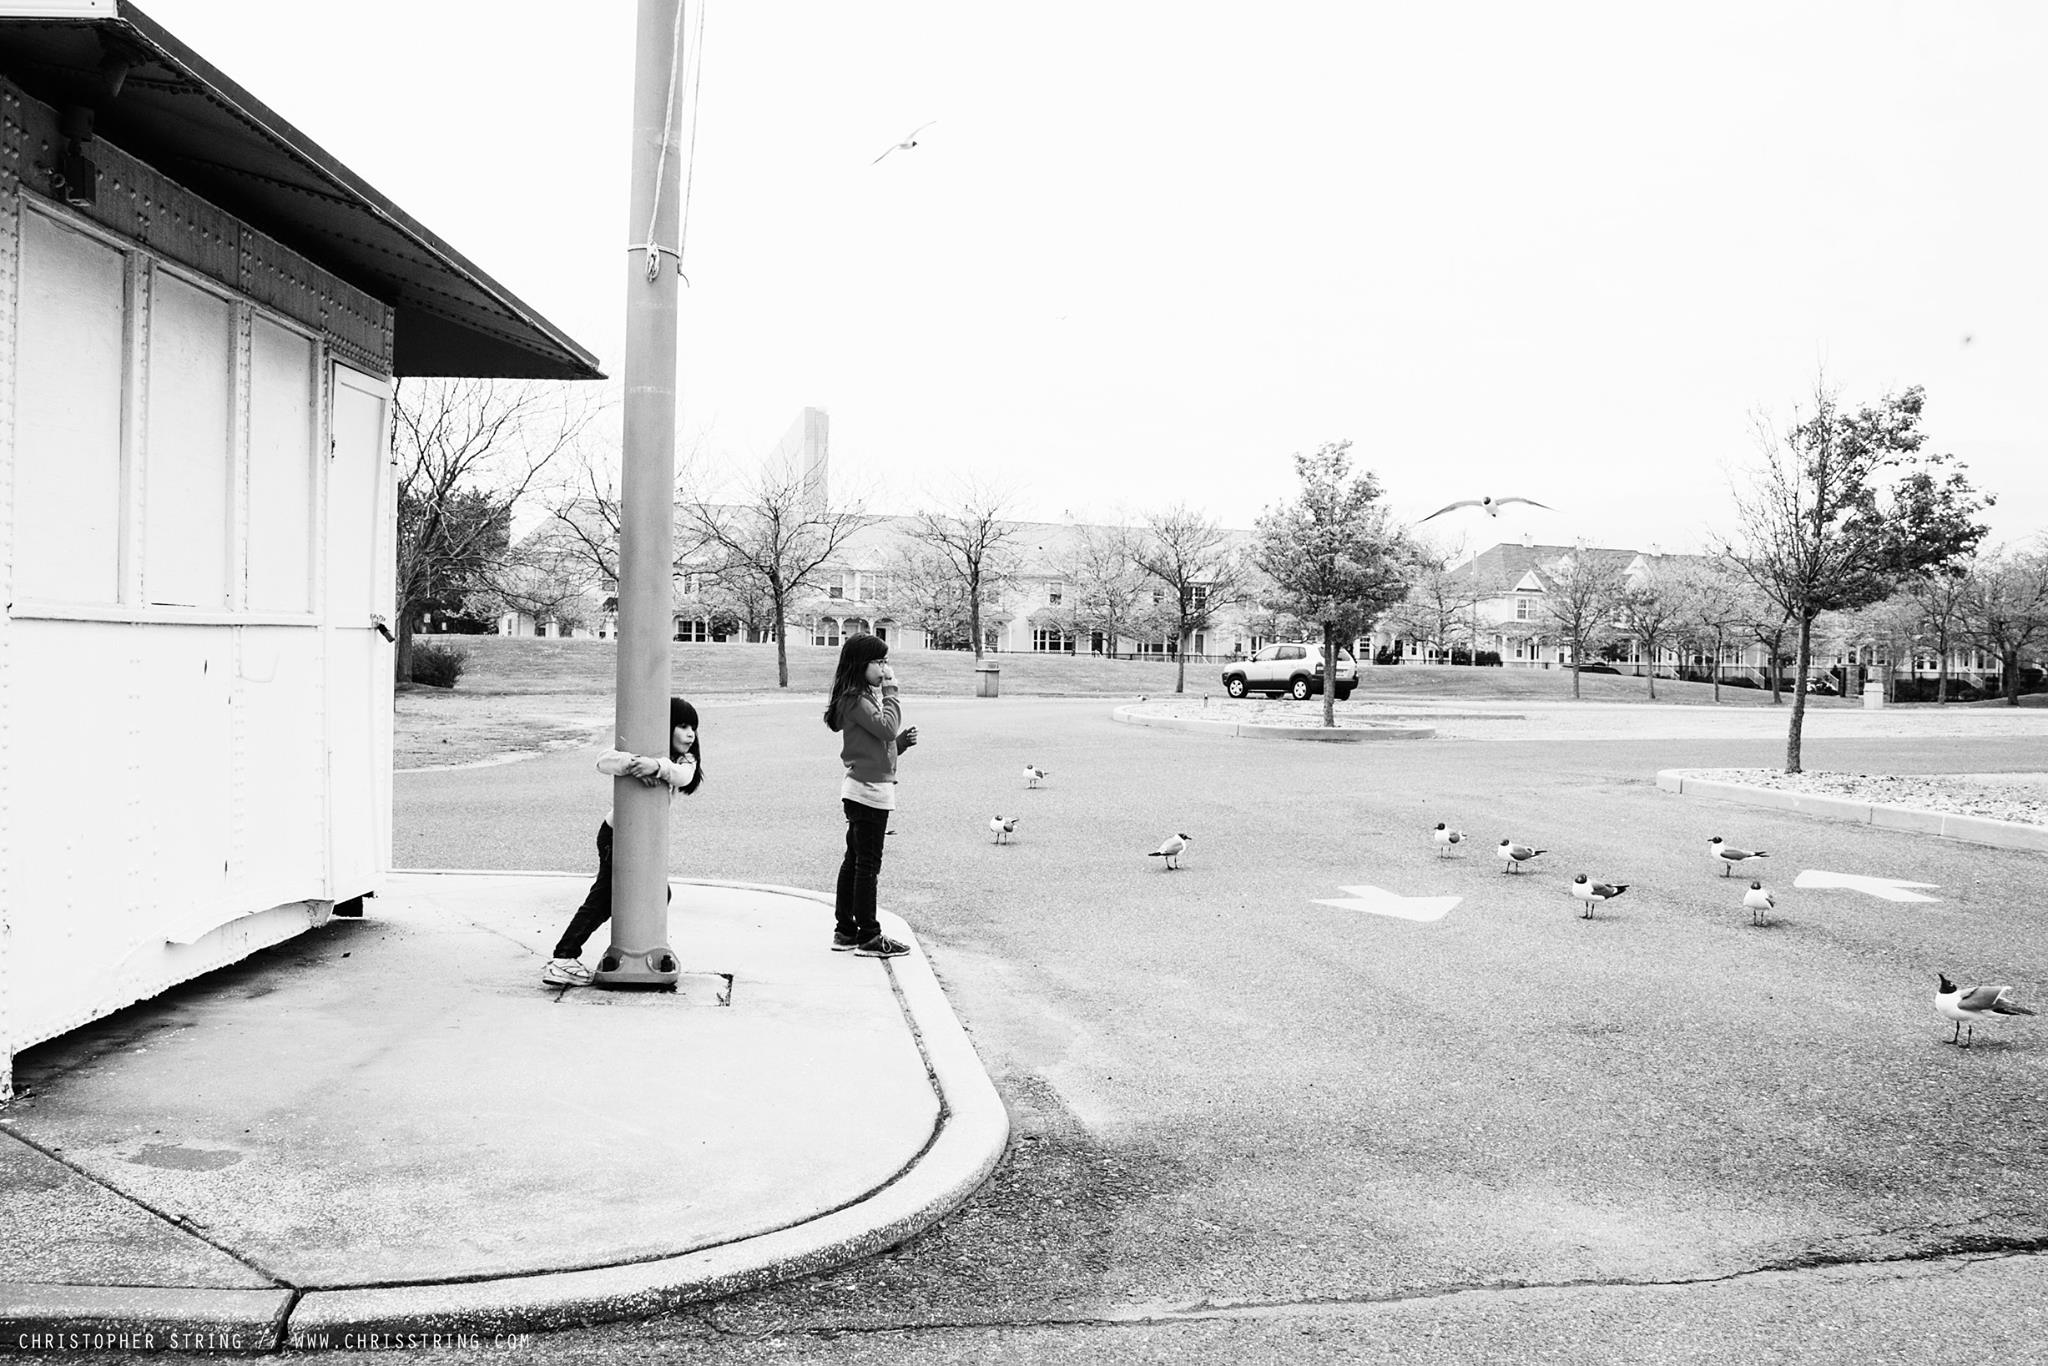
x,y
1301,690
1234,686
1343,694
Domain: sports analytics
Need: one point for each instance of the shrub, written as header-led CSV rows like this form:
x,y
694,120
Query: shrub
x,y
437,666
1489,659
1385,655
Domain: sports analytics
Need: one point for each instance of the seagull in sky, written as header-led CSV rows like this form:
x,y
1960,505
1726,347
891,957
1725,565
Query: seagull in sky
x,y
1593,893
1004,826
1032,774
1513,855
1492,506
1760,902
1446,838
1727,855
1972,1004
1171,850
909,141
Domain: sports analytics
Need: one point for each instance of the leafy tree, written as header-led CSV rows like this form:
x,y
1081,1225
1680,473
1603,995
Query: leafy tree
x,y
467,451
1196,564
1821,530
926,594
1649,609
1441,600
1334,555
1710,607
972,543
2006,610
1940,597
769,542
1584,596
1105,587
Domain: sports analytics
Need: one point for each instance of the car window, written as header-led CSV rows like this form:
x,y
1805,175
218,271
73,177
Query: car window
x,y
1293,652
1270,652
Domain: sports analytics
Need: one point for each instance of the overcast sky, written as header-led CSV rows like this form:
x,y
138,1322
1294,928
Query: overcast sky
x,y
1147,251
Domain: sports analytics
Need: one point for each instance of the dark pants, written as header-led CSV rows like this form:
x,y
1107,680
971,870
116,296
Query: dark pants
x,y
597,904
853,905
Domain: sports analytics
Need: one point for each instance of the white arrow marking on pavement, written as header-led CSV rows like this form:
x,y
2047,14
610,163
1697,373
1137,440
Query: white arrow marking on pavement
x,y
1889,888
1379,901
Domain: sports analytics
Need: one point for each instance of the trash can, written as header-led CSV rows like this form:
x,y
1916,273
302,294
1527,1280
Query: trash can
x,y
1873,695
988,679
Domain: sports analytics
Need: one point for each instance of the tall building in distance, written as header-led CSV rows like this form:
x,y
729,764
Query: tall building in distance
x,y
806,446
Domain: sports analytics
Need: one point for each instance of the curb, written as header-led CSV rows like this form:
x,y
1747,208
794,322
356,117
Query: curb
x,y
971,1135
1947,825
1252,731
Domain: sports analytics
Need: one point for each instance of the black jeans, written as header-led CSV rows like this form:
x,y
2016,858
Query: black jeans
x,y
853,905
597,904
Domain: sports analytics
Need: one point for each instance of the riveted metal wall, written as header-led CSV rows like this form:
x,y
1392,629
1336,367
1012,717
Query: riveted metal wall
x,y
167,801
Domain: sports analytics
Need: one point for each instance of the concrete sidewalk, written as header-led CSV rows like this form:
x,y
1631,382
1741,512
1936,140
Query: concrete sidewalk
x,y
390,1126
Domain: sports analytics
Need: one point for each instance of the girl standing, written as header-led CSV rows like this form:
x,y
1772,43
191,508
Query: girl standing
x,y
864,710
682,771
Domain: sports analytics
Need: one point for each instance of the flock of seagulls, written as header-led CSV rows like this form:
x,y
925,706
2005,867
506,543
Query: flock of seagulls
x,y
1968,1006
1004,828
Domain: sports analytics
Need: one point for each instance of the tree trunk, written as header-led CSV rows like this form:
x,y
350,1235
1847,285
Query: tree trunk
x,y
1771,667
1792,733
781,646
401,657
1180,678
1653,675
1941,678
1575,673
1329,675
974,613
1718,647
2011,659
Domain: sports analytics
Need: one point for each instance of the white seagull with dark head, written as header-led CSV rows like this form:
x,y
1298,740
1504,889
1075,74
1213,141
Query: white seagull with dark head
x,y
1727,855
1171,850
1004,826
1446,838
909,141
1972,1005
1491,506
1593,893
1032,773
1513,855
1760,902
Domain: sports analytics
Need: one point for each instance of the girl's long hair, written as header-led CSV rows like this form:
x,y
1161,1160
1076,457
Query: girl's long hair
x,y
681,713
851,677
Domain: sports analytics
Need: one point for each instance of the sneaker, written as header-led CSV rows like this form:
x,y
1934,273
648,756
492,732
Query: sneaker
x,y
565,972
844,943
882,946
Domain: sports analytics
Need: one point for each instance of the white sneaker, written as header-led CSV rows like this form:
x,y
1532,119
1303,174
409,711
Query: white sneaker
x,y
566,972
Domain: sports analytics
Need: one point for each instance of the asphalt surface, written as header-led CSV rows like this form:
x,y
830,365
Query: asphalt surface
x,y
1277,1129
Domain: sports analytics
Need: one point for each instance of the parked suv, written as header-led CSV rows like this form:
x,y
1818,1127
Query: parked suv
x,y
1293,669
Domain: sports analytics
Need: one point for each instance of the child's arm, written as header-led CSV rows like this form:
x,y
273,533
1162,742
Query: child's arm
x,y
618,763
882,722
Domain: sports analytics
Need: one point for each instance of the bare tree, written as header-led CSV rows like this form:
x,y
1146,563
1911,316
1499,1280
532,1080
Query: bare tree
x,y
542,577
2006,611
1820,533
1710,607
1441,600
770,540
1583,599
1198,567
925,593
1334,555
1941,597
1104,583
975,539
467,451
1650,609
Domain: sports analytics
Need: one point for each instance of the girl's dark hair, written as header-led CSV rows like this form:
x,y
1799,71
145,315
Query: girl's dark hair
x,y
681,713
851,677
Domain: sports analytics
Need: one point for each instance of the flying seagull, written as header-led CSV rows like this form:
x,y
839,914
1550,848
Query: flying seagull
x,y
1727,855
909,141
1032,774
1445,838
1593,893
1760,902
1968,1005
1004,826
1513,855
1492,506
1171,850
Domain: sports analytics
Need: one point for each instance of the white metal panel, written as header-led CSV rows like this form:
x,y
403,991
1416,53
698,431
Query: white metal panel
x,y
59,9
280,849
358,678
188,439
281,533
67,462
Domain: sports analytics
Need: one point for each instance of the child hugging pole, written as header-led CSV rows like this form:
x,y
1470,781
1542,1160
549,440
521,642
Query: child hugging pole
x,y
639,955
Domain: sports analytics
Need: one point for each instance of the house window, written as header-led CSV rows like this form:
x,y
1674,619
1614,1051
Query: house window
x,y
1052,596
826,632
691,630
835,586
1198,597
1525,609
1052,638
1158,596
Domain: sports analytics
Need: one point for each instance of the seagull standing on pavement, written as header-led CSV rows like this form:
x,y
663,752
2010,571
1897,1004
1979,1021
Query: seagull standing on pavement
x,y
1760,902
1004,826
1171,850
1446,838
1593,893
1513,855
1491,506
1973,1004
909,141
1727,855
1032,774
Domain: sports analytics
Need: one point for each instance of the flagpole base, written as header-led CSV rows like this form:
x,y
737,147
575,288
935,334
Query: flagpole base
x,y
652,969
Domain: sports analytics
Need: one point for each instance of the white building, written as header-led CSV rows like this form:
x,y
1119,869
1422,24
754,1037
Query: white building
x,y
201,317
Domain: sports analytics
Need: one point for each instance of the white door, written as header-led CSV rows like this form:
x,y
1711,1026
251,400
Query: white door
x,y
360,566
